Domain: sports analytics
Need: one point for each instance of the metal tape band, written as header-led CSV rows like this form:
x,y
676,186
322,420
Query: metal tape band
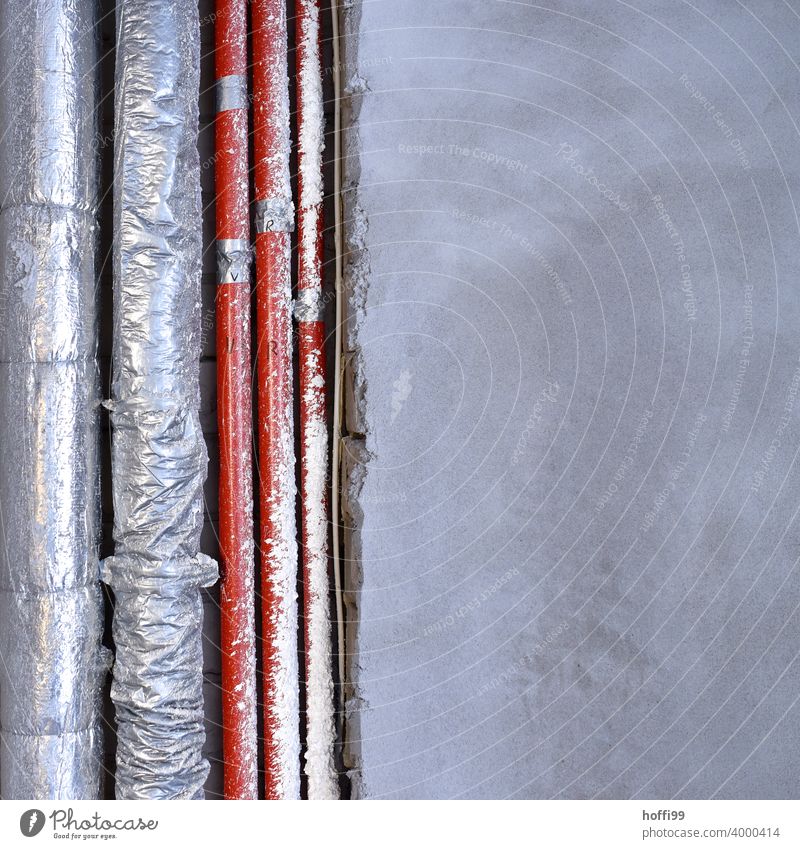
x,y
231,92
309,305
275,215
233,261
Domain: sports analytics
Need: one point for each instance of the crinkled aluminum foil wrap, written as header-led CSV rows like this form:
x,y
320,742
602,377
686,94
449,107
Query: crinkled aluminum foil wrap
x,y
159,457
52,664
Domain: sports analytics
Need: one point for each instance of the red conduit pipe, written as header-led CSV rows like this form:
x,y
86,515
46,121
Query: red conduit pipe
x,y
320,732
234,411
274,221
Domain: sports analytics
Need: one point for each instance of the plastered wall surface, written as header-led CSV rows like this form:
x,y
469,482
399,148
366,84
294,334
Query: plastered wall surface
x,y
573,488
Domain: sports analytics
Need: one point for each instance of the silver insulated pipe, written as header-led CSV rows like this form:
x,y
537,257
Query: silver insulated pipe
x,y
158,455
51,661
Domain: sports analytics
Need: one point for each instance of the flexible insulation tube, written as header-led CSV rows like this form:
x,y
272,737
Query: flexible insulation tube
x,y
158,454
51,661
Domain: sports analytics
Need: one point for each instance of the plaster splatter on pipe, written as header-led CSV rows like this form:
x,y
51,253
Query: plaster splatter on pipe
x,y
51,661
320,726
274,222
158,455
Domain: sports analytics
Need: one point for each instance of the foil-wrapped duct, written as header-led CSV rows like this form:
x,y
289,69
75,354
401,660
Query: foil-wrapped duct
x,y
51,660
159,458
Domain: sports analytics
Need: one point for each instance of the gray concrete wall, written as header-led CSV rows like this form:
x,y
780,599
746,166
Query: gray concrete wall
x,y
573,297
